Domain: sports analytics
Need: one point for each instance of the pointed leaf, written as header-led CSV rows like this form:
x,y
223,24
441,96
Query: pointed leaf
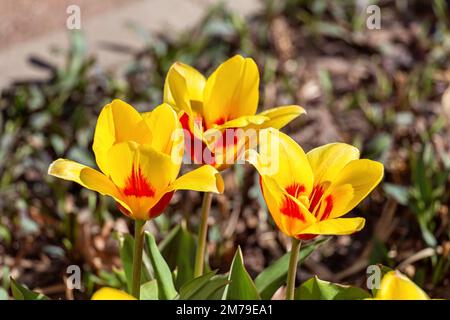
x,y
21,292
316,289
194,285
213,290
166,288
241,285
206,287
179,251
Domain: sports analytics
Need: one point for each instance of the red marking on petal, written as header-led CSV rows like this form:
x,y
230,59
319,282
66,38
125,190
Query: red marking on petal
x,y
315,197
161,205
328,207
291,209
295,189
305,237
317,202
289,206
220,121
123,209
137,185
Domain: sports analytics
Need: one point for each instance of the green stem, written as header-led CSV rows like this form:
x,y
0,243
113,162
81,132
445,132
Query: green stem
x,y
202,233
137,257
290,290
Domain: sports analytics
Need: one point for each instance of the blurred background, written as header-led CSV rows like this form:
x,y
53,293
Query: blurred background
x,y
384,90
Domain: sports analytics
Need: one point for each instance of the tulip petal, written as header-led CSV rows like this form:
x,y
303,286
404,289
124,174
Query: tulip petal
x,y
334,202
111,294
155,166
177,86
363,176
281,116
231,91
117,122
168,133
289,214
254,121
327,161
282,159
340,226
184,84
87,177
272,118
396,286
205,179
143,174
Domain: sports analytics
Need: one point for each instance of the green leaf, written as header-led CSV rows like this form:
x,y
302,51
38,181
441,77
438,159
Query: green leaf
x,y
178,249
126,255
21,292
316,289
191,287
206,287
166,288
149,290
241,285
273,277
3,294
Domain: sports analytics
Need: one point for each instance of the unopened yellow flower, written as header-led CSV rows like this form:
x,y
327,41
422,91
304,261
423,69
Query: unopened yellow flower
x,y
111,294
139,156
308,193
396,286
226,101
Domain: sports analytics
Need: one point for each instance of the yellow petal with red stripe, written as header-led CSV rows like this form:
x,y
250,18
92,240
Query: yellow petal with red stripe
x,y
339,226
142,174
111,294
363,176
396,286
87,177
231,91
333,202
205,179
290,215
117,122
327,161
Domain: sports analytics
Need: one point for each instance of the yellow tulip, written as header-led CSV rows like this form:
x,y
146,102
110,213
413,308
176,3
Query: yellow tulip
x,y
396,286
139,156
225,102
111,294
307,194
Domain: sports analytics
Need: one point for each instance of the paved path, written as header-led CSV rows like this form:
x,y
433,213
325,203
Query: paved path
x,y
35,27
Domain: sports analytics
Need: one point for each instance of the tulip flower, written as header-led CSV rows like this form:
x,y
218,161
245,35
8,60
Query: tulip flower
x,y
219,117
397,286
226,101
139,156
111,294
307,194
